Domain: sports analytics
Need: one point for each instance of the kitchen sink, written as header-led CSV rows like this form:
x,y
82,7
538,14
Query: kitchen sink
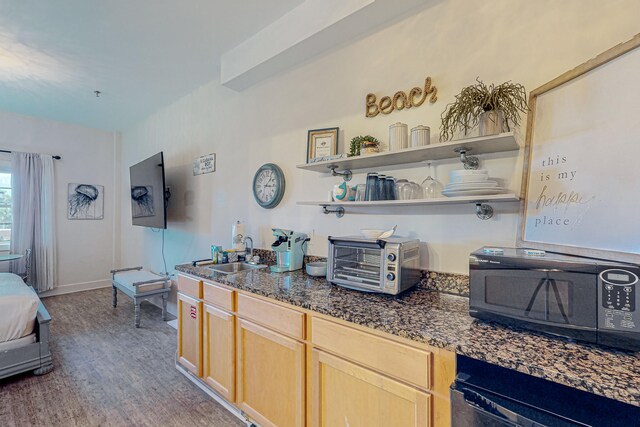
x,y
236,267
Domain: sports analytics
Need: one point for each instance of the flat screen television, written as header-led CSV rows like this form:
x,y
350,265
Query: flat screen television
x,y
148,205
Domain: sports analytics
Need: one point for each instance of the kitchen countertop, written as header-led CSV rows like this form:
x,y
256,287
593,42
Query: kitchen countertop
x,y
442,320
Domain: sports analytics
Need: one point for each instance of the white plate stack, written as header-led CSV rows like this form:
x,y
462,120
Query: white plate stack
x,y
468,182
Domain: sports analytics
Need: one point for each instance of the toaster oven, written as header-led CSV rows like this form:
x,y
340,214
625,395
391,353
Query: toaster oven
x,y
387,266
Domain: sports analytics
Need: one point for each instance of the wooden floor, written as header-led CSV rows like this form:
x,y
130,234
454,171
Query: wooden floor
x,y
107,372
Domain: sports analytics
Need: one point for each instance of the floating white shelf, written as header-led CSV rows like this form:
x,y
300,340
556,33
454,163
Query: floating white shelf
x,y
483,209
435,151
421,202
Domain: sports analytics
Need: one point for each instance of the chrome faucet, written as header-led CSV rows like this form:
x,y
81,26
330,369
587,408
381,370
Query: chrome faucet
x,y
248,253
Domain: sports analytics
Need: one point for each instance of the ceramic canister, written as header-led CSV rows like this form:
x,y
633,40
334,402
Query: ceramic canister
x,y
398,136
420,135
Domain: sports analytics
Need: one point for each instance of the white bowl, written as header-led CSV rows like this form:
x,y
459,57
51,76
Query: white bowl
x,y
370,233
317,269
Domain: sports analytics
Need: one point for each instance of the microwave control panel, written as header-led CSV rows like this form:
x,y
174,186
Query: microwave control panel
x,y
619,297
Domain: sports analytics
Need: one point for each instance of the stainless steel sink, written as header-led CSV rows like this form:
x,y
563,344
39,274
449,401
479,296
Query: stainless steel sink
x,y
236,267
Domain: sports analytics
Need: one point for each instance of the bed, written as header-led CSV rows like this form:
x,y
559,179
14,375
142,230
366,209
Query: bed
x,y
24,329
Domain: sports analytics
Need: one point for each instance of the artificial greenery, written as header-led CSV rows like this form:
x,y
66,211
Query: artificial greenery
x,y
356,144
464,113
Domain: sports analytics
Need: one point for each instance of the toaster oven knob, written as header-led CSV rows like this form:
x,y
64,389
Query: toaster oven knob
x,y
391,257
391,277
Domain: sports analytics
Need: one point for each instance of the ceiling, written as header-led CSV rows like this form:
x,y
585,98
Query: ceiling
x,y
140,54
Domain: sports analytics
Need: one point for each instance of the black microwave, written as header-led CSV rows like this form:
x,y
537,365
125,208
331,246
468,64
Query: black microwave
x,y
585,299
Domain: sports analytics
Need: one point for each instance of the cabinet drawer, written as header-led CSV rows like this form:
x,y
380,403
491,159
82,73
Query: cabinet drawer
x,y
190,286
290,322
397,360
217,295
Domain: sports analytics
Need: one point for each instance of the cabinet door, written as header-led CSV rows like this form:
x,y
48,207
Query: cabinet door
x,y
345,394
190,333
219,351
271,382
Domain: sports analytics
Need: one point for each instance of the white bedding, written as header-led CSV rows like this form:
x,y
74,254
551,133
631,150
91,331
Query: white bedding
x,y
18,307
20,342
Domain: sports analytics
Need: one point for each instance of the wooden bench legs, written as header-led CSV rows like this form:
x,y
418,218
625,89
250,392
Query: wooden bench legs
x,y
164,307
136,320
136,304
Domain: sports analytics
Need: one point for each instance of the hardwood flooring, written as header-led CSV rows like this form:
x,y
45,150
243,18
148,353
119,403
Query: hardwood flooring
x,y
107,372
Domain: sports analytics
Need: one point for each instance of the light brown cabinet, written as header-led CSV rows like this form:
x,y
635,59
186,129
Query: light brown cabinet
x,y
190,333
345,394
287,367
271,376
219,368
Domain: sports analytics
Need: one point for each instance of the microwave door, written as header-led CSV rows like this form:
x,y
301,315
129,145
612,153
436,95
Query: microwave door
x,y
552,297
559,305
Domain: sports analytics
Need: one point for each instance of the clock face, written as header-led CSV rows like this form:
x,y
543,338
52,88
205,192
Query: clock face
x,y
268,186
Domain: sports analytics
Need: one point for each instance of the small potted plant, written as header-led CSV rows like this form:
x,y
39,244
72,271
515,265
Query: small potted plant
x,y
366,144
494,108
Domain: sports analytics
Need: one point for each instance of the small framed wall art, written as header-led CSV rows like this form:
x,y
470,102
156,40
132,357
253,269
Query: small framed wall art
x,y
85,201
322,143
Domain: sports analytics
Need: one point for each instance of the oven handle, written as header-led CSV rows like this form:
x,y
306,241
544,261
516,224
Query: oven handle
x,y
490,408
377,244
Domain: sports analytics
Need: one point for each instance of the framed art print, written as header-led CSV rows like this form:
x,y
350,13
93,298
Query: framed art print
x,y
322,143
580,181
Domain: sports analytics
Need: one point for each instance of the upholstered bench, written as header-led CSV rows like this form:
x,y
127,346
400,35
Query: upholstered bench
x,y
140,285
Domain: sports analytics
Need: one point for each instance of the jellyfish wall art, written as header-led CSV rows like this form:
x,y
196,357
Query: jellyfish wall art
x,y
142,201
86,201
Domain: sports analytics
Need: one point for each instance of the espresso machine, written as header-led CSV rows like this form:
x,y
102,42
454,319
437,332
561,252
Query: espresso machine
x,y
288,249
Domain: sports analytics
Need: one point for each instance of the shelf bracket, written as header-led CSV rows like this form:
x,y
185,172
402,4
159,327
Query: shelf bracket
x,y
484,211
346,174
469,162
339,211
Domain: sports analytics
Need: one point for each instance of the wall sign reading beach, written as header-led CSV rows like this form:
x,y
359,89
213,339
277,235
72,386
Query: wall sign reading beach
x,y
582,164
400,100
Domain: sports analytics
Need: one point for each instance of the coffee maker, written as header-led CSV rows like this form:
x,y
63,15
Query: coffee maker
x,y
288,249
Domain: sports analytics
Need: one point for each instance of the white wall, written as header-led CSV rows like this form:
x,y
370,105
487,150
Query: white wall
x,y
85,248
453,41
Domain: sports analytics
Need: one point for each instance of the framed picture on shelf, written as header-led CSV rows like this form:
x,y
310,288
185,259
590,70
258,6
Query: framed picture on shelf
x,y
322,143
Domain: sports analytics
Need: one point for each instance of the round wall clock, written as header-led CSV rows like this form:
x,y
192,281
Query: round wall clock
x,y
268,185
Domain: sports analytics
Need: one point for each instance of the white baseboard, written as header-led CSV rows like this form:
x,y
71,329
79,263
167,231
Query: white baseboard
x,y
76,287
198,382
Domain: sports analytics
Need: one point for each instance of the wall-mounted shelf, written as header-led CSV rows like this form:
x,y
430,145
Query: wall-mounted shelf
x,y
483,209
435,151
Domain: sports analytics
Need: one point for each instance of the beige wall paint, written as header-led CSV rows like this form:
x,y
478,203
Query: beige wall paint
x,y
453,41
85,248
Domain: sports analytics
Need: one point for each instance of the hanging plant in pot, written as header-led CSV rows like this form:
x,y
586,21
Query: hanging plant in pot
x,y
495,109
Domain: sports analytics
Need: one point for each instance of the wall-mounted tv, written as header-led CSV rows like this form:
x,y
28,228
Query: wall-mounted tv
x,y
148,206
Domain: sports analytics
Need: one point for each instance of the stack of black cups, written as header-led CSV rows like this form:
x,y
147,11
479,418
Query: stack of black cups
x,y
380,187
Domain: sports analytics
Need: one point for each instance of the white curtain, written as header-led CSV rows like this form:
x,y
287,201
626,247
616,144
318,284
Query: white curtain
x,y
32,191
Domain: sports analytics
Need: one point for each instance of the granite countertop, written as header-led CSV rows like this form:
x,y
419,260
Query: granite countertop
x,y
442,320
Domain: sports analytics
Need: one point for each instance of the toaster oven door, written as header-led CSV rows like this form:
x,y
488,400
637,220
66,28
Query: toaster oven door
x,y
357,265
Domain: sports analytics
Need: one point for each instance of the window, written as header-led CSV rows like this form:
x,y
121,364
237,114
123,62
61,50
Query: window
x,y
5,210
